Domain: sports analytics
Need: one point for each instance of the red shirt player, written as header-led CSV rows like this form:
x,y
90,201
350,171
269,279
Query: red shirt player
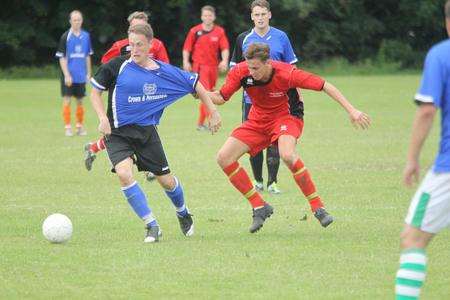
x,y
269,122
203,45
157,51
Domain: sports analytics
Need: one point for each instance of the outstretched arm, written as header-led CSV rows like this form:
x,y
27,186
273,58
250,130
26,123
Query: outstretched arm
x,y
421,127
214,120
358,118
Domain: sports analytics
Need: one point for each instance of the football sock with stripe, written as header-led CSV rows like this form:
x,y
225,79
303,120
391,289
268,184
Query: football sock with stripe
x,y
240,180
98,145
411,274
306,184
138,201
176,195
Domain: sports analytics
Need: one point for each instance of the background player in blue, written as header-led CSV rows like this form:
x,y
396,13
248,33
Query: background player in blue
x,y
429,211
139,90
74,53
281,50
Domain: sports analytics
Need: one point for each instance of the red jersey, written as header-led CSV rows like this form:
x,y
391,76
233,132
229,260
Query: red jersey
x,y
269,99
122,47
205,46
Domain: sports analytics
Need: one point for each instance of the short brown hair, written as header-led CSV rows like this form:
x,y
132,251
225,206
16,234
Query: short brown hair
x,y
209,8
144,29
138,15
447,9
259,51
260,3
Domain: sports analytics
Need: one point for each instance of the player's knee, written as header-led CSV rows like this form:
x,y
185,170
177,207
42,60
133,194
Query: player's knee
x,y
287,157
125,176
167,181
412,239
223,159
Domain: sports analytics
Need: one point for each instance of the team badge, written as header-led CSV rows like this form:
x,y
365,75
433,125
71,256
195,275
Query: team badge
x,y
149,89
78,48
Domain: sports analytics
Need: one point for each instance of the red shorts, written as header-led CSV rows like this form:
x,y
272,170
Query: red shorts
x,y
258,135
207,75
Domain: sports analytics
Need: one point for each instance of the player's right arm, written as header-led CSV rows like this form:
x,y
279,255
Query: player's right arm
x,y
96,99
187,49
112,52
61,55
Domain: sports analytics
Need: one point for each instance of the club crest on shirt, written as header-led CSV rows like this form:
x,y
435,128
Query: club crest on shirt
x,y
249,81
78,48
149,89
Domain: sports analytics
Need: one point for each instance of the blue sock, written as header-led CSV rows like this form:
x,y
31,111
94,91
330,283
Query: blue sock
x,y
138,201
177,197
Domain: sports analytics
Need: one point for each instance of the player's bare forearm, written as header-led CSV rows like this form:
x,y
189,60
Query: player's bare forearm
x,y
216,98
423,121
186,63
97,103
204,97
89,66
63,65
358,118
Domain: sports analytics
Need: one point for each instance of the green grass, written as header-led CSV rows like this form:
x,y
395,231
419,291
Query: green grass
x,y
357,173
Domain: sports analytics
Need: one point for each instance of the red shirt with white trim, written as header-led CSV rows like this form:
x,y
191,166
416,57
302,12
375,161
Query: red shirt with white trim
x,y
157,50
270,99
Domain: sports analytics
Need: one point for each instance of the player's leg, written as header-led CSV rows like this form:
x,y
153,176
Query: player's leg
x,y
174,190
256,161
428,214
273,164
290,129
227,158
202,109
137,199
90,150
80,93
66,94
120,152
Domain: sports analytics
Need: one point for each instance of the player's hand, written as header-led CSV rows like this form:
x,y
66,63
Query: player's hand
x,y
359,119
411,173
187,66
68,80
223,66
104,127
215,121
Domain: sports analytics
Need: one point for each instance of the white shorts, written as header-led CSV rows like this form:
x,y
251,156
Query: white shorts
x,y
430,207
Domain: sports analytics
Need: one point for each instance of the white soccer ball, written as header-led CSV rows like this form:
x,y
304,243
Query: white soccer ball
x,y
57,228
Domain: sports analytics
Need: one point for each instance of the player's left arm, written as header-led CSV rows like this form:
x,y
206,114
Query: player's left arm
x,y
88,68
358,118
225,52
215,120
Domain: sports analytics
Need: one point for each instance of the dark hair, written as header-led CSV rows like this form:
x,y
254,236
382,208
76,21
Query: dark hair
x,y
144,29
261,3
259,51
209,8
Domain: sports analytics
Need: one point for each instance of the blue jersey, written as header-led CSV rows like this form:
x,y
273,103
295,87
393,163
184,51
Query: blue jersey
x,y
280,47
435,89
139,96
76,50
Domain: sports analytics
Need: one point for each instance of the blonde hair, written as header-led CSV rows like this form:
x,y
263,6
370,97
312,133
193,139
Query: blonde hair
x,y
138,15
209,8
144,29
260,3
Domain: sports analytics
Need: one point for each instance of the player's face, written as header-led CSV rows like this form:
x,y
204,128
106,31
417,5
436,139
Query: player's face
x,y
259,70
76,20
261,17
139,47
208,17
137,22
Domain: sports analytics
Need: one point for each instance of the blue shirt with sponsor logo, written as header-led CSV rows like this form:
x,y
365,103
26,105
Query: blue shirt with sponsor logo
x,y
75,48
435,89
278,41
139,96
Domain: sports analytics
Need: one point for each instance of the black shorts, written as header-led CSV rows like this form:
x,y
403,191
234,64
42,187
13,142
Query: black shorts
x,y
142,144
77,90
296,107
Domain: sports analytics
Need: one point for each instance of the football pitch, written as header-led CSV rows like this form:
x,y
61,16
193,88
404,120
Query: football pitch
x,y
357,173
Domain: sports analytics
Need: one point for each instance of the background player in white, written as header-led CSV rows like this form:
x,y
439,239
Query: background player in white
x,y
429,211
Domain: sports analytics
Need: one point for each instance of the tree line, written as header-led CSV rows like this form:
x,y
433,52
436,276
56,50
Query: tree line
x,y
356,30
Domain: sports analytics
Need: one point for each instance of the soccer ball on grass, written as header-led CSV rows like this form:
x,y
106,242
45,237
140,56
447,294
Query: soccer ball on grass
x,y
57,228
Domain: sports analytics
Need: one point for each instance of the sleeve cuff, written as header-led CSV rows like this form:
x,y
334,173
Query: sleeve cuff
x,y
97,85
423,98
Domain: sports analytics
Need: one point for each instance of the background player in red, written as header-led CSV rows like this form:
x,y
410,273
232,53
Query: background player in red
x,y
267,83
157,51
203,45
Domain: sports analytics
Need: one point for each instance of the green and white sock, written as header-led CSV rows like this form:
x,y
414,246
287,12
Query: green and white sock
x,y
411,274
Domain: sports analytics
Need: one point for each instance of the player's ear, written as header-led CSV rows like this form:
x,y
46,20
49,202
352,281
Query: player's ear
x,y
270,15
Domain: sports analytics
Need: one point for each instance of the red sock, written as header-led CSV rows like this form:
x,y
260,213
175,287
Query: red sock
x,y
203,114
98,145
239,178
306,184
